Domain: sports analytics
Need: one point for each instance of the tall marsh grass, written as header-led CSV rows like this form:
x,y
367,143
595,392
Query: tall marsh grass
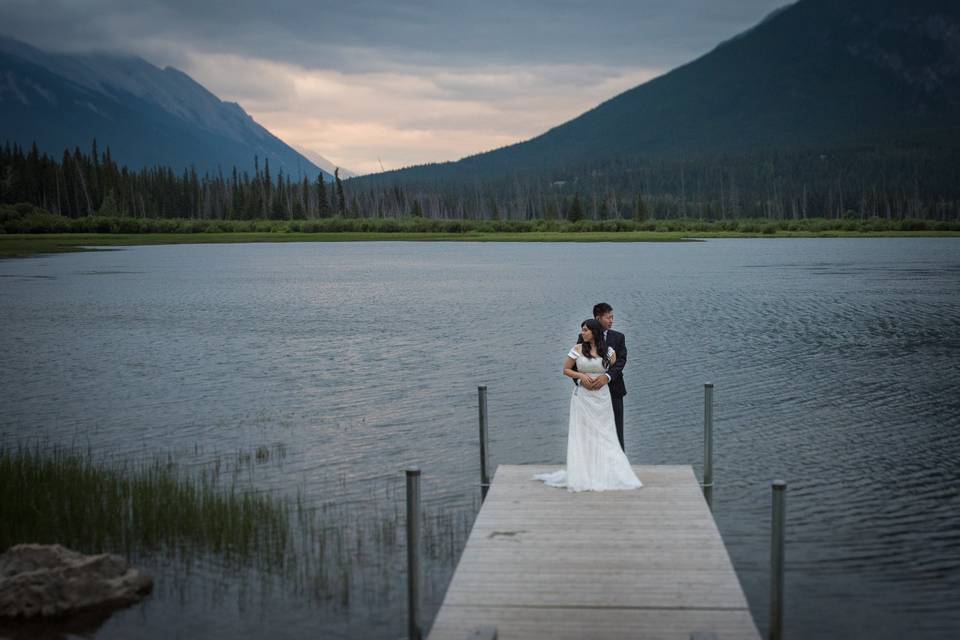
x,y
60,495
332,553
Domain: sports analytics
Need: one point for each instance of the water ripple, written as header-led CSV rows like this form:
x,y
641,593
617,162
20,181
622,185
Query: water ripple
x,y
837,365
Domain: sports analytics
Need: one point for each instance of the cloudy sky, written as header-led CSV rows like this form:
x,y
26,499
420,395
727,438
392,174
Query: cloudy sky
x,y
393,83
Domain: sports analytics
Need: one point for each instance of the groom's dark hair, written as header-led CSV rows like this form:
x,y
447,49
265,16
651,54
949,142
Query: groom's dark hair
x,y
600,309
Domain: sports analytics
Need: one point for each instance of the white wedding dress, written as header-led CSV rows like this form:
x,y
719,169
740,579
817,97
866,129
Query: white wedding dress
x,y
595,461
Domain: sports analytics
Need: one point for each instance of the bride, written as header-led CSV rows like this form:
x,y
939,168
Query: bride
x,y
595,461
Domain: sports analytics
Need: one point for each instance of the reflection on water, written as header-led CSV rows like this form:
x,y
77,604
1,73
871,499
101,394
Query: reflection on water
x,y
835,363
83,624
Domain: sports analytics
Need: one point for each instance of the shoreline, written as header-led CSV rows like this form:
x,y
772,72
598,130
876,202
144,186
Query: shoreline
x,y
26,245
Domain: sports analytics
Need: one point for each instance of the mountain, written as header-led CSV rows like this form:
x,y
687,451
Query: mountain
x,y
147,116
815,74
323,163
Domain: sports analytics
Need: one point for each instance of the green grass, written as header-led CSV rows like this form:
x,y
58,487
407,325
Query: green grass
x,y
21,245
329,554
62,496
27,230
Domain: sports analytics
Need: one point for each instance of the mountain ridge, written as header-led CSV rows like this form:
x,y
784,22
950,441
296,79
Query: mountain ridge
x,y
147,116
810,74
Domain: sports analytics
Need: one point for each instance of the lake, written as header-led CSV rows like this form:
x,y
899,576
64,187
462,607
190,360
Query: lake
x,y
836,364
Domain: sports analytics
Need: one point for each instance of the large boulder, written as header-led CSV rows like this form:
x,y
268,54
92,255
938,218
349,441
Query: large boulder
x,y
51,580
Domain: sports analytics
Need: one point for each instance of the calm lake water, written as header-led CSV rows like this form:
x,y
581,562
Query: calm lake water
x,y
836,364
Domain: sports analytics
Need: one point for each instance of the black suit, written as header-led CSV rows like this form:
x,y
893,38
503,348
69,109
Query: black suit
x,y
616,340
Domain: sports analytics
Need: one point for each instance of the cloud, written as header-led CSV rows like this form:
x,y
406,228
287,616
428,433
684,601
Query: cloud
x,y
363,34
405,82
411,116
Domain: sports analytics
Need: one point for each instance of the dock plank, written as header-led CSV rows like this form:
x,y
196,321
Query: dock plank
x,y
542,562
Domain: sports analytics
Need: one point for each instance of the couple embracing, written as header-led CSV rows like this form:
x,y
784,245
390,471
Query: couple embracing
x,y
595,455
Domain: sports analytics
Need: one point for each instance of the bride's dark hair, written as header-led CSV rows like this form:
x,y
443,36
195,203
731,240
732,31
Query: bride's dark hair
x,y
597,330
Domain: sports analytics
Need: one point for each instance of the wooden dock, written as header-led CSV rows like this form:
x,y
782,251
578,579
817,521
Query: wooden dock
x,y
545,563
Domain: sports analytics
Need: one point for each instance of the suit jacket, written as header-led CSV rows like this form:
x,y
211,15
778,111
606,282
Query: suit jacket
x,y
616,340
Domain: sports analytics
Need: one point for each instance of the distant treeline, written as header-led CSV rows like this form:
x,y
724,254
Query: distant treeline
x,y
920,180
892,184
25,218
86,184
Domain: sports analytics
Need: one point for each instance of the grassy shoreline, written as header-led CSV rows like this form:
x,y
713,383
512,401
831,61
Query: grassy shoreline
x,y
24,245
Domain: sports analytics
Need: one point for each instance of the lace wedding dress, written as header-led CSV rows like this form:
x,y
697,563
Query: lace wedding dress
x,y
595,461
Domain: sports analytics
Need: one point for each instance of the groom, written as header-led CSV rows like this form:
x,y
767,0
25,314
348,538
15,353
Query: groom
x,y
603,312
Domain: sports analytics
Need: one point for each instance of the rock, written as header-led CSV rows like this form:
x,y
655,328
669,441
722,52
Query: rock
x,y
51,580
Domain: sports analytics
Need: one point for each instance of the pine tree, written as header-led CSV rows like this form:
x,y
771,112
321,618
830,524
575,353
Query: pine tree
x,y
640,209
109,206
550,210
69,185
78,163
341,198
323,203
236,197
267,180
278,208
575,212
303,202
93,177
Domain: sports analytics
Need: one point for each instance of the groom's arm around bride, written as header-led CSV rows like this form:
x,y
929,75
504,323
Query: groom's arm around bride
x,y
603,312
